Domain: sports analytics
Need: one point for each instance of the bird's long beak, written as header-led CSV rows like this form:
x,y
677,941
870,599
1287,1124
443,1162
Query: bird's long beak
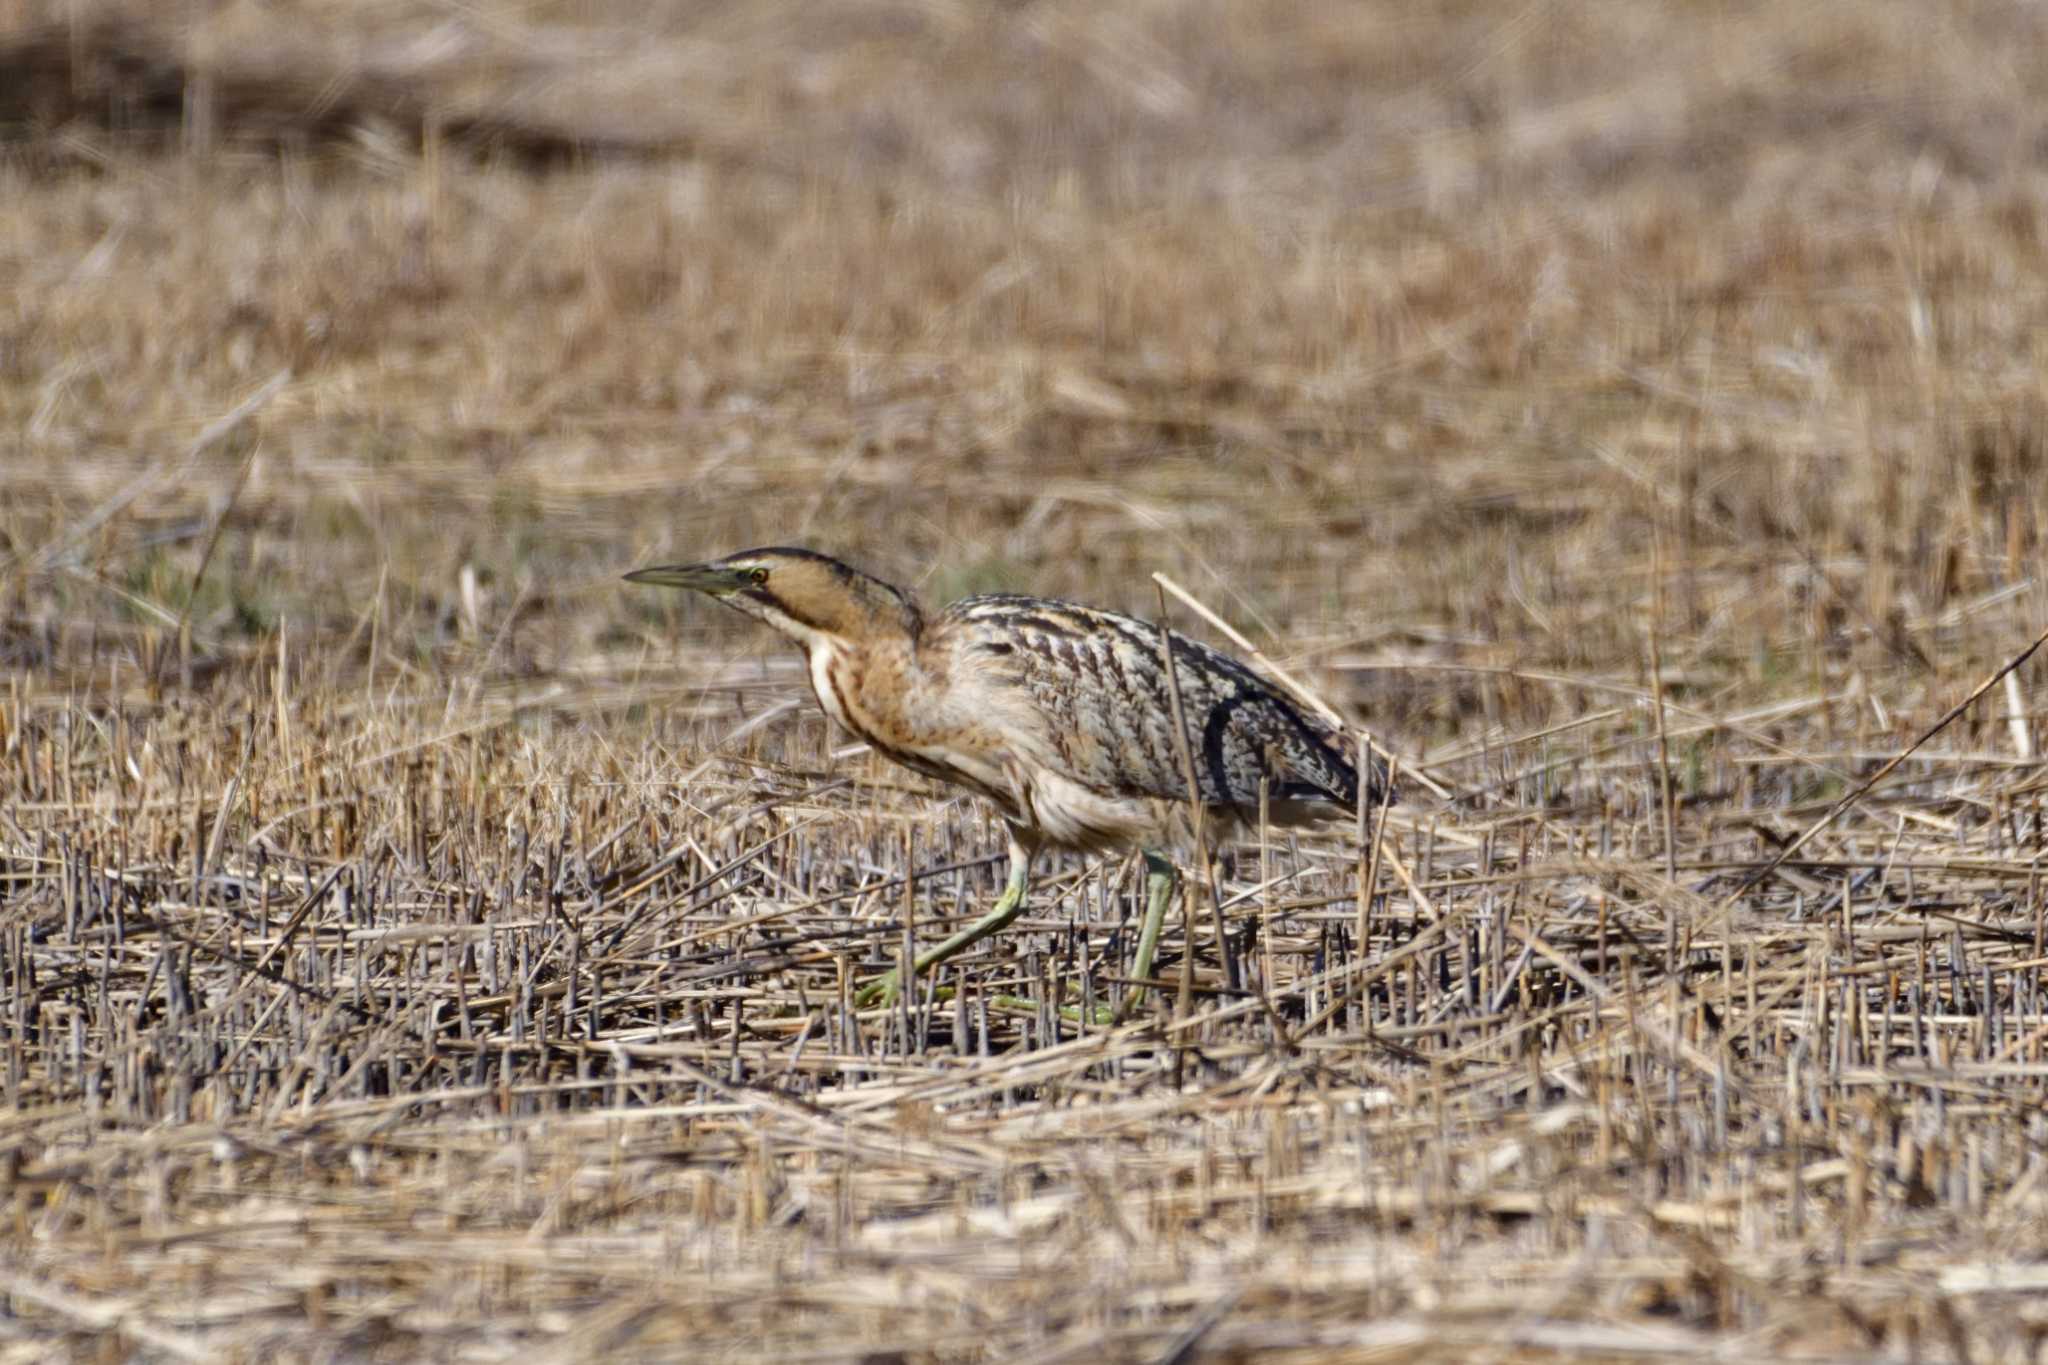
x,y
706,578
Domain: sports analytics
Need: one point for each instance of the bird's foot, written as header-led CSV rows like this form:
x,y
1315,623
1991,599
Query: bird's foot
x,y
884,991
1096,1016
881,991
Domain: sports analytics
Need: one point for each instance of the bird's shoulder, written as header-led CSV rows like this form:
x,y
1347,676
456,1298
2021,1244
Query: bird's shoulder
x,y
1040,635
1036,636
1020,611
1096,689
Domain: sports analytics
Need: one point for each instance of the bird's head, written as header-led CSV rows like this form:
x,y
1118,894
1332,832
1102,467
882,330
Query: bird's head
x,y
807,596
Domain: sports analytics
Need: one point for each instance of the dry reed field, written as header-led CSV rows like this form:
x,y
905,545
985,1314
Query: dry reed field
x,y
416,944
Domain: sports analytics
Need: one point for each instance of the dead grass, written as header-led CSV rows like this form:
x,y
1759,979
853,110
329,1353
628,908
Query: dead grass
x,y
414,945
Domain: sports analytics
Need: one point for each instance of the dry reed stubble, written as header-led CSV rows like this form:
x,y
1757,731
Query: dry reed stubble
x,y
413,947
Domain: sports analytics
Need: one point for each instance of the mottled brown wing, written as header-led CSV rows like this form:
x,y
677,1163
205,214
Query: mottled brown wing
x,y
1098,682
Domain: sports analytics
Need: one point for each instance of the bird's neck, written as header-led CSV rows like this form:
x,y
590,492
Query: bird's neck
x,y
862,681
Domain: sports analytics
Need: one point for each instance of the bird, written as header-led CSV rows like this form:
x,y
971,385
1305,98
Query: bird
x,y
1060,715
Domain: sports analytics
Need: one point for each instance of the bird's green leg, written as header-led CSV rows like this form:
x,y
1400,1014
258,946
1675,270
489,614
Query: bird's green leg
x,y
1159,880
1007,907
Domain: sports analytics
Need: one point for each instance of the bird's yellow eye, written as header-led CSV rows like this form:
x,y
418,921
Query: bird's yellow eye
x,y
757,576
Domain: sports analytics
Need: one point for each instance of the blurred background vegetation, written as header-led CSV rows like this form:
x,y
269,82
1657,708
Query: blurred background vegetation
x,y
1418,334
415,943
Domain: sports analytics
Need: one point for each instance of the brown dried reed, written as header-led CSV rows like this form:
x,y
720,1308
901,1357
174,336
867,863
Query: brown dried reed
x,y
413,946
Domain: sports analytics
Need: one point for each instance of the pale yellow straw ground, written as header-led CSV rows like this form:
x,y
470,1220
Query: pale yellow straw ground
x,y
417,944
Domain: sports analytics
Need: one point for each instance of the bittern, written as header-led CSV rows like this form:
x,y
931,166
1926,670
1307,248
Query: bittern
x,y
1060,715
